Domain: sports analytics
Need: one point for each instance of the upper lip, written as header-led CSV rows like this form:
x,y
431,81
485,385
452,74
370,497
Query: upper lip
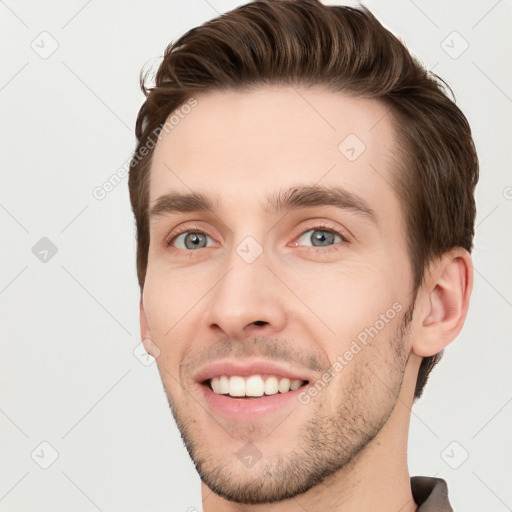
x,y
244,368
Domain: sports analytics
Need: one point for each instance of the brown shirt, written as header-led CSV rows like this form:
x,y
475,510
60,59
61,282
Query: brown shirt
x,y
431,494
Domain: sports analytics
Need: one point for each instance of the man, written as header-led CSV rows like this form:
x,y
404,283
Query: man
x,y
304,198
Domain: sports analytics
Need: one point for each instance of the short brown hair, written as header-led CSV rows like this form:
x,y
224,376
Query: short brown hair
x,y
303,42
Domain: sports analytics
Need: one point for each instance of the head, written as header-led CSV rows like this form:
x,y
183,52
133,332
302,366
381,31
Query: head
x,y
302,187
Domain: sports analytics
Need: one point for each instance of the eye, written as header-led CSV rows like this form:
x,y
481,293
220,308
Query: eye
x,y
192,240
319,238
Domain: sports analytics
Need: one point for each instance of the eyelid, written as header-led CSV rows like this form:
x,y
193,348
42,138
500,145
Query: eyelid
x,y
318,225
187,228
324,226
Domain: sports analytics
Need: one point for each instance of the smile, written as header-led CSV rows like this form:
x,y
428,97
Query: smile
x,y
253,386
250,389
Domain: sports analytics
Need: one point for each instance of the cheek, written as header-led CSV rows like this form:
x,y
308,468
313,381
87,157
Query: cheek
x,y
347,298
367,371
168,311
170,297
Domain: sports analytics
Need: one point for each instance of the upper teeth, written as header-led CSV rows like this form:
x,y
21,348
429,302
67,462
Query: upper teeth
x,y
254,385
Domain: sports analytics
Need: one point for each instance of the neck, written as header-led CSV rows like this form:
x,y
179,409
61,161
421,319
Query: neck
x,y
376,479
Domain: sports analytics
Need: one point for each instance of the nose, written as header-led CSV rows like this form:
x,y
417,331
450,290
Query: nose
x,y
246,301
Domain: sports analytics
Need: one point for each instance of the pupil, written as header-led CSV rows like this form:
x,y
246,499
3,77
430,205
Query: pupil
x,y
322,238
193,240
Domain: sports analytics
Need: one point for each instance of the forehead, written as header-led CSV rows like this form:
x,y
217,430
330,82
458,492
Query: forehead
x,y
241,146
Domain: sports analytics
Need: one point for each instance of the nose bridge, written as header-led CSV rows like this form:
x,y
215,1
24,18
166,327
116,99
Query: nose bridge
x,y
245,283
246,293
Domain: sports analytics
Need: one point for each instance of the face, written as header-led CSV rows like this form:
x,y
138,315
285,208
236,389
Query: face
x,y
278,285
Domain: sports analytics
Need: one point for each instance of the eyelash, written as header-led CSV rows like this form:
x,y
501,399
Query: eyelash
x,y
180,231
330,229
317,227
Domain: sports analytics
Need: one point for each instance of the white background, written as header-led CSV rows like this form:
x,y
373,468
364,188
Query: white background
x,y
69,326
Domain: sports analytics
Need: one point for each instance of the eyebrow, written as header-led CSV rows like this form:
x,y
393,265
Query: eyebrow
x,y
299,197
294,198
176,202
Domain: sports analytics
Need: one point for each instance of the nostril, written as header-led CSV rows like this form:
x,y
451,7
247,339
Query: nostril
x,y
259,322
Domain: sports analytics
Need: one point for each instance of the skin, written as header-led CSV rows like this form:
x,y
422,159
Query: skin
x,y
346,448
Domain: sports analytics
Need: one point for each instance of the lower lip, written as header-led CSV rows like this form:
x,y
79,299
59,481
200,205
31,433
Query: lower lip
x,y
250,408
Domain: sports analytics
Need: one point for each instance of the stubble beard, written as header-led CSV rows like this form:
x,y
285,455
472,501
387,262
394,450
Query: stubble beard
x,y
326,445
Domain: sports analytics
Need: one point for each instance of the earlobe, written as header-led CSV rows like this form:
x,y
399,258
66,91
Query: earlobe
x,y
446,299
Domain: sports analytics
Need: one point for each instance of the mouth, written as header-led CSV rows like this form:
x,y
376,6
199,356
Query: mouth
x,y
249,390
252,386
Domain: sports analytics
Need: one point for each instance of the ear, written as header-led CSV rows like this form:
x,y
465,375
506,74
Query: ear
x,y
444,302
145,333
